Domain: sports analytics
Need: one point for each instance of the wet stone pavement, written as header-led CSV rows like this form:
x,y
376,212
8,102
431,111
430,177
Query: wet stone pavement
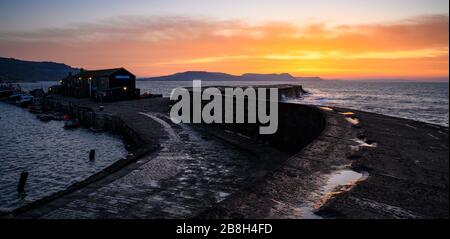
x,y
187,176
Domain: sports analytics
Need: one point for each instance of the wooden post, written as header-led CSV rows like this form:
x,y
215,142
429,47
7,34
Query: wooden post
x,y
22,182
92,155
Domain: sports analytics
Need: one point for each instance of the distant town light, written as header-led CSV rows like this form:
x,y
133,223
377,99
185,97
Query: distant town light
x,y
125,88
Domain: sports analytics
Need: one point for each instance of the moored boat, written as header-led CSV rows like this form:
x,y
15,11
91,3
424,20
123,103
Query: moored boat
x,y
8,89
24,100
5,94
45,118
72,124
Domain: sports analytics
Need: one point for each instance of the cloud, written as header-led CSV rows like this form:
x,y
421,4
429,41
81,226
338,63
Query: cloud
x,y
163,44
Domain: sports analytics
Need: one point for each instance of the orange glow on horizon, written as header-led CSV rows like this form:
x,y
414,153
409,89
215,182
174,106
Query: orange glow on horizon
x,y
416,48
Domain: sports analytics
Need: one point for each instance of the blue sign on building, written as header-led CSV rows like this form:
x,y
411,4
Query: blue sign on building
x,y
119,77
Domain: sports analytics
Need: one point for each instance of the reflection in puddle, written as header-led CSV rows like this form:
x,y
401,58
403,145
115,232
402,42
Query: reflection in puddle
x,y
353,121
363,143
347,113
220,196
338,182
326,108
344,177
350,117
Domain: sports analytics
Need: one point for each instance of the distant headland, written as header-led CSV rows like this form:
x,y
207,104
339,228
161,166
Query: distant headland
x,y
218,76
14,70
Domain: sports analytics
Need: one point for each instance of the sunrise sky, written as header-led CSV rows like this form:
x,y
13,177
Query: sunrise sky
x,y
345,39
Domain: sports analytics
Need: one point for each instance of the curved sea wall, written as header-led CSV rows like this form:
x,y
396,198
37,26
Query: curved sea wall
x,y
298,125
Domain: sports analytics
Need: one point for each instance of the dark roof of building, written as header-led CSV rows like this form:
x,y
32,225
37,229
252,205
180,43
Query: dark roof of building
x,y
95,73
98,73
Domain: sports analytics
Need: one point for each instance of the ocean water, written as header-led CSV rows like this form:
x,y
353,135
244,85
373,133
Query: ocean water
x,y
54,157
426,102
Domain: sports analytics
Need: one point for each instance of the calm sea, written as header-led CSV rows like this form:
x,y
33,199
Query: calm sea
x,y
54,157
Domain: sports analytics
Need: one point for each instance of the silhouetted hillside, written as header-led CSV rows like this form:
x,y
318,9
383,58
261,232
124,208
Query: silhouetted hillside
x,y
195,75
216,76
309,78
268,77
27,71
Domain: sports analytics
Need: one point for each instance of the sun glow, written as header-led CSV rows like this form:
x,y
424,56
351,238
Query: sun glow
x,y
149,46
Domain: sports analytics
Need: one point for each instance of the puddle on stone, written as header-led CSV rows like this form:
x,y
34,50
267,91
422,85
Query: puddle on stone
x,y
338,182
220,196
342,178
347,113
353,121
363,143
326,108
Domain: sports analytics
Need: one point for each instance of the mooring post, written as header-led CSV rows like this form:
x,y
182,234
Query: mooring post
x,y
92,155
22,182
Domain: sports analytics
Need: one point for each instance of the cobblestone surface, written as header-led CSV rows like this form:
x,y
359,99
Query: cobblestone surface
x,y
188,175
